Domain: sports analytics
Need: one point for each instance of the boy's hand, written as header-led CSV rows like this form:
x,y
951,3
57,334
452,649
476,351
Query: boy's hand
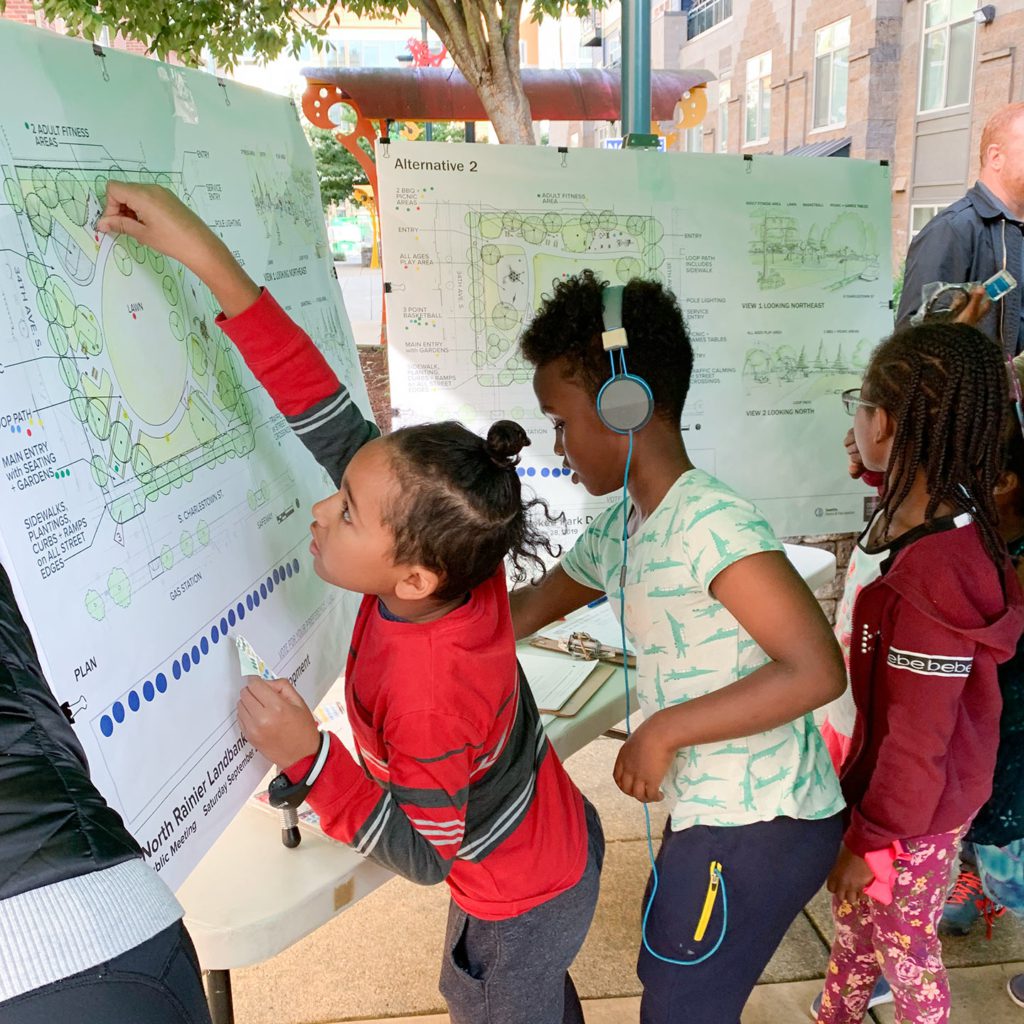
x,y
849,876
157,218
276,721
643,762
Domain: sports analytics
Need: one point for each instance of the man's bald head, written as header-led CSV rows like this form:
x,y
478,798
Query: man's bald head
x,y
1002,157
1005,121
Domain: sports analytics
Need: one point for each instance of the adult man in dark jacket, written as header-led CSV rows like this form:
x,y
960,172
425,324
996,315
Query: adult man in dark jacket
x,y
979,234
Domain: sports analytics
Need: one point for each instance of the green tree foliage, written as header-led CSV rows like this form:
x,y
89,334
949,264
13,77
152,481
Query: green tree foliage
x,y
482,36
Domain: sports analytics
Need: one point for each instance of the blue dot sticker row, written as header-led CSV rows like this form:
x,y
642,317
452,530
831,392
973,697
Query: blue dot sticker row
x,y
532,471
192,656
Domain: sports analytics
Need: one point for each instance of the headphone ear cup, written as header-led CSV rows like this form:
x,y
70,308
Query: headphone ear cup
x,y
625,403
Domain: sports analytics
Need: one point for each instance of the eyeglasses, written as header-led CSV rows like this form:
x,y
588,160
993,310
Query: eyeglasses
x,y
851,399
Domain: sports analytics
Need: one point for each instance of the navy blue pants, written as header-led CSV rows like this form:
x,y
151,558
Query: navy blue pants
x,y
157,982
771,869
516,971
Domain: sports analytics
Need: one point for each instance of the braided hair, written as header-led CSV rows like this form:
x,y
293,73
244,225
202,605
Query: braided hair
x,y
460,508
945,384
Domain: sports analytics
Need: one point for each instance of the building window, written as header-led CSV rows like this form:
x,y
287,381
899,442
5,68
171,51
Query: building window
x,y
706,14
612,49
920,215
757,123
693,140
947,54
724,95
831,74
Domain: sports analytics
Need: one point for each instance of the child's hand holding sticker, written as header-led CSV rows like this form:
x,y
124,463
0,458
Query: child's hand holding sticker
x,y
272,715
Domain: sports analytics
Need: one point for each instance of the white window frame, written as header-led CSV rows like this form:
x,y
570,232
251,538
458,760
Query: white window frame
x,y
831,54
762,82
724,96
944,27
936,209
693,139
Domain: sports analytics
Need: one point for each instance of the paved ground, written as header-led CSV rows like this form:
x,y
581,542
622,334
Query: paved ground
x,y
363,291
379,960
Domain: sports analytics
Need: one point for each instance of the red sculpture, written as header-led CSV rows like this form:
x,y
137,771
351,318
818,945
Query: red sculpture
x,y
421,55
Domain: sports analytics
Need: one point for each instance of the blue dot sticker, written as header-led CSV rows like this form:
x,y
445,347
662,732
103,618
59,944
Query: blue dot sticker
x,y
133,701
270,585
256,599
204,646
545,471
118,712
147,690
224,625
295,564
231,617
248,602
288,570
263,591
186,661
521,471
277,575
175,670
161,682
106,726
214,636
195,654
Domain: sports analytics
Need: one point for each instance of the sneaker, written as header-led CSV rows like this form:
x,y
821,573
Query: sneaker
x,y
964,904
883,994
1015,986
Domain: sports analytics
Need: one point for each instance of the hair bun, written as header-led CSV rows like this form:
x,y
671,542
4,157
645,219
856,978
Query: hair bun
x,y
505,440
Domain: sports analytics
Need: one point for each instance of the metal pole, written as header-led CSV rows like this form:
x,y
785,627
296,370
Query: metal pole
x,y
636,74
423,36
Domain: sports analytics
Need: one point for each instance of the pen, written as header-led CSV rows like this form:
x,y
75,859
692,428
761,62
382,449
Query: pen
x,y
597,601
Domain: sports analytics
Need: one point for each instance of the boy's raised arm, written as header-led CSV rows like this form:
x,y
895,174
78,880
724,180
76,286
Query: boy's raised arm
x,y
280,354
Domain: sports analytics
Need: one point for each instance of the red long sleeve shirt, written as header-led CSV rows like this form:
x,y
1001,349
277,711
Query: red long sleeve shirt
x,y
455,779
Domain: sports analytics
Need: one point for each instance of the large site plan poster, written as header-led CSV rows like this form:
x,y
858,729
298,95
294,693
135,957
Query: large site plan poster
x,y
781,266
154,502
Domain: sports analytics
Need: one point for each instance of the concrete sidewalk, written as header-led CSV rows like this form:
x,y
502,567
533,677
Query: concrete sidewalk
x,y
379,961
363,292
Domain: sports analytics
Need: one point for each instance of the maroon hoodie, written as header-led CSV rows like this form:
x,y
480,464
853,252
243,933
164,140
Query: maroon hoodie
x,y
927,637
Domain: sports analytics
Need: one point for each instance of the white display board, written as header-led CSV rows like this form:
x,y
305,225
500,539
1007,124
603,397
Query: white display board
x,y
154,501
781,267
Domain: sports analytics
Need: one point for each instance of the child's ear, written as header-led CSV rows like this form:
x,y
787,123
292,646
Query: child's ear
x,y
883,425
417,583
1007,483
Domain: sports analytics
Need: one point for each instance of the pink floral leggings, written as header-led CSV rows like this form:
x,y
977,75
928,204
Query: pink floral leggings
x,y
900,941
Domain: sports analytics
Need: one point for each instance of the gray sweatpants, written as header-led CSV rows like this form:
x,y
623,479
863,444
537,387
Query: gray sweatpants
x,y
516,971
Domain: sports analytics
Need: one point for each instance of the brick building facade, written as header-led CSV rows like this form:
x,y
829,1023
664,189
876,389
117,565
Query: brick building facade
x,y
908,81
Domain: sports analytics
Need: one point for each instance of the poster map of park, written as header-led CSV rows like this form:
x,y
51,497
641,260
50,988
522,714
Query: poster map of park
x,y
155,503
781,267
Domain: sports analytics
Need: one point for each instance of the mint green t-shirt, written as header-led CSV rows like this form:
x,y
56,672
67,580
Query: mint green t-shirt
x,y
688,644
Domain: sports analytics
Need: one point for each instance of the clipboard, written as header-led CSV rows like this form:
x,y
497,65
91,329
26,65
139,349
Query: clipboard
x,y
586,649
586,690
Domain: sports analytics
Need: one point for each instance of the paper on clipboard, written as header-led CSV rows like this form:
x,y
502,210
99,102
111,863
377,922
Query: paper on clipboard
x,y
599,622
554,680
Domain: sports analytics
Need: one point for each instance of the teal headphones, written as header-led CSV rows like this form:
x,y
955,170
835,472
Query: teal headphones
x,y
625,402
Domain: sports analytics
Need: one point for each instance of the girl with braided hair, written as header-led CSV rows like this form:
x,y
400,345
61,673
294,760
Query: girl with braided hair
x,y
935,608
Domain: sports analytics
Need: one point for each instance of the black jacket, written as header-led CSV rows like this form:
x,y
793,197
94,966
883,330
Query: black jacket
x,y
54,824
969,241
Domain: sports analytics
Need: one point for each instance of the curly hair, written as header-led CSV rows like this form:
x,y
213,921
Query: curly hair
x,y
570,322
945,384
460,509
